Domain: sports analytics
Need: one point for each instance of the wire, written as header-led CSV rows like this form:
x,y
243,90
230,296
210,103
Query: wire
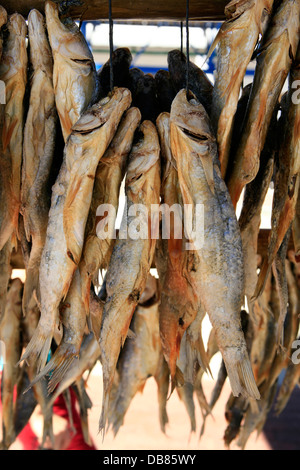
x,y
181,36
187,47
111,45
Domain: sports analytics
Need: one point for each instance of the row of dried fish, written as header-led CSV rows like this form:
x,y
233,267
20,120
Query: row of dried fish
x,y
78,141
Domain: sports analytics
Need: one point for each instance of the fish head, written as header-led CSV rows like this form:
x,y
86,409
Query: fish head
x,y
190,120
17,25
171,333
144,154
174,319
40,52
100,113
123,55
66,38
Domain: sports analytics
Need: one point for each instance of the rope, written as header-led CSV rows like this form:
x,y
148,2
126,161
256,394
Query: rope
x,y
187,47
181,36
111,45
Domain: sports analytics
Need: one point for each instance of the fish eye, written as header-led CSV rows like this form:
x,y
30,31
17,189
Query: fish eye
x,y
181,322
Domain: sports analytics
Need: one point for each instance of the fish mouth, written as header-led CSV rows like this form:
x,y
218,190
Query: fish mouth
x,y
193,135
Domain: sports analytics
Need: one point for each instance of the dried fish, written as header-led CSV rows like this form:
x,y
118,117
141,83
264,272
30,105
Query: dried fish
x,y
296,230
290,381
199,84
237,39
10,335
38,391
164,90
109,176
3,20
250,218
74,73
134,253
275,57
218,272
71,199
38,151
121,61
139,360
179,303
88,357
13,72
144,97
73,319
25,403
5,274
286,184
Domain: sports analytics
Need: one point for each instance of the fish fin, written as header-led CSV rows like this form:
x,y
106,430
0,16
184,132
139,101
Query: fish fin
x,y
196,353
141,387
14,241
31,289
96,323
44,372
208,167
104,414
73,238
241,376
38,347
7,131
131,334
88,122
212,47
177,381
48,432
262,279
61,362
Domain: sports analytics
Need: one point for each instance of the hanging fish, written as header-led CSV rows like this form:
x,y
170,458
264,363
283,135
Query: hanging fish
x,y
121,61
71,199
13,72
74,72
199,84
287,177
274,60
179,303
237,39
218,273
38,151
133,253
10,335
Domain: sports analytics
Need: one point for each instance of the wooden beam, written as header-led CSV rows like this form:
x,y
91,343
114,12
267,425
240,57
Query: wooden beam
x,y
130,9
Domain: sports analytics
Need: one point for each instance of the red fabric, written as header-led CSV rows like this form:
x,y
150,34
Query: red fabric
x,y
30,441
60,409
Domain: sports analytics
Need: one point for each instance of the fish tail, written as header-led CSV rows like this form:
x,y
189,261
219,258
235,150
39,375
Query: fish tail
x,y
162,381
262,279
60,364
196,354
118,422
185,394
104,414
176,381
240,375
38,348
48,431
